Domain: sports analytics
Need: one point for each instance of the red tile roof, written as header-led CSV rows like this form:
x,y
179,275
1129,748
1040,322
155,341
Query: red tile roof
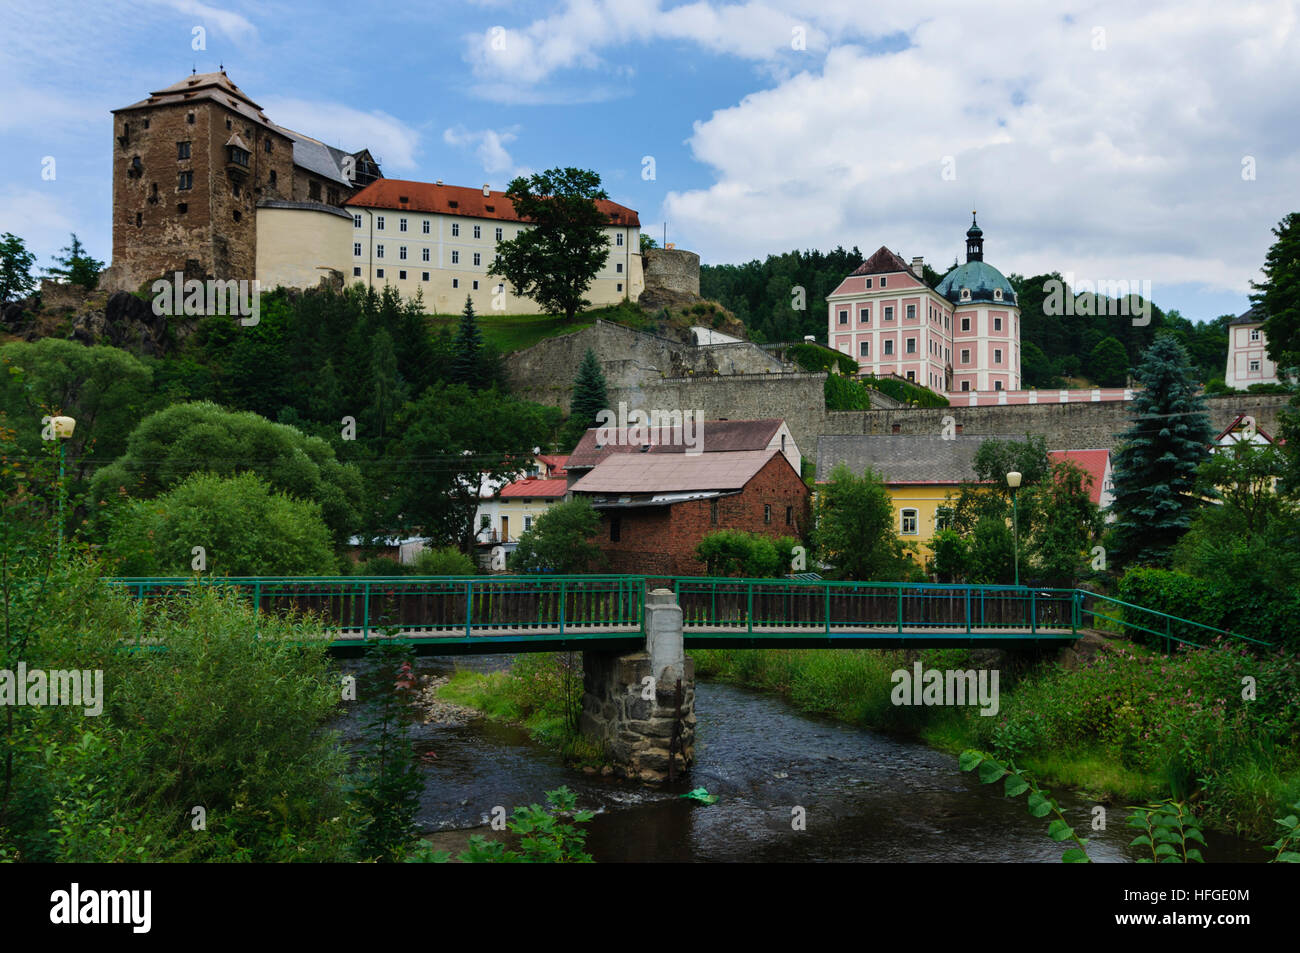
x,y
534,487
556,462
1091,462
459,200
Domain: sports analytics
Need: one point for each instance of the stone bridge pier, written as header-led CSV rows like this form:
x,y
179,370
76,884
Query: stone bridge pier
x,y
641,705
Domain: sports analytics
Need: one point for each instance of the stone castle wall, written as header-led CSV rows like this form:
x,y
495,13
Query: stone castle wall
x,y
671,269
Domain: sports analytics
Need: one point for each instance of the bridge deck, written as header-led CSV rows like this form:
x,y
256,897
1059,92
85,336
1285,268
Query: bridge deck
x,y
445,641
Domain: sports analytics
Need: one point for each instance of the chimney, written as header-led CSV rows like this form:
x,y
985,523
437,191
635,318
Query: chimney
x,y
486,190
918,266
439,182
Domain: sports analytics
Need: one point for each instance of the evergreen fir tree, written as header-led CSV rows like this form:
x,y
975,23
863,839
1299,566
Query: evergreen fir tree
x,y
590,397
1155,465
76,267
467,350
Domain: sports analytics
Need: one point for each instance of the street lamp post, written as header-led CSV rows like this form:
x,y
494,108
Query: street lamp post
x,y
63,427
1013,481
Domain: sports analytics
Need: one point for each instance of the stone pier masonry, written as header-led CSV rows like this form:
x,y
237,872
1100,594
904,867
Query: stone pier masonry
x,y
630,700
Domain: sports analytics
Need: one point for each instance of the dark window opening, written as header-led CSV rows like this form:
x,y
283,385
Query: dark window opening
x,y
896,428
185,181
333,197
789,516
767,512
182,150
239,156
313,191
615,529
268,145
273,177
139,219
713,512
190,118
146,123
237,215
229,125
182,207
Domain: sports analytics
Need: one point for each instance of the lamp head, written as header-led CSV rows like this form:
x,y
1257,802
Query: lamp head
x,y
1013,479
63,427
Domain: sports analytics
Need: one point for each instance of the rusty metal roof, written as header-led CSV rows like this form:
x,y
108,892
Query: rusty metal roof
x,y
675,473
715,436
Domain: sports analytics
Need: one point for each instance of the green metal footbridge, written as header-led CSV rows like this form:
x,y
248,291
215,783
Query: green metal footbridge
x,y
450,615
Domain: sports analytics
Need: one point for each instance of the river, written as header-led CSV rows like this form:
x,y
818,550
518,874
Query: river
x,y
865,796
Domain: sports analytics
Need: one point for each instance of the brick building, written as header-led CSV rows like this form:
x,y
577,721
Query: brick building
x,y
195,163
656,507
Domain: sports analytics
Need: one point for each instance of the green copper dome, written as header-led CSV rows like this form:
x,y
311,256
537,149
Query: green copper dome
x,y
981,278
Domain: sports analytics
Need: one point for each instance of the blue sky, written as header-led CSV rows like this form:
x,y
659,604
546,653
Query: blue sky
x,y
1150,142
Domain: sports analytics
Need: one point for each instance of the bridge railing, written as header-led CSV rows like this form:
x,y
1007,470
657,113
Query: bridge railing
x,y
773,605
434,606
1125,618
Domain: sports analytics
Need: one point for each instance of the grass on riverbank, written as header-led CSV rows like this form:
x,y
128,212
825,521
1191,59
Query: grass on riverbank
x,y
1131,727
542,693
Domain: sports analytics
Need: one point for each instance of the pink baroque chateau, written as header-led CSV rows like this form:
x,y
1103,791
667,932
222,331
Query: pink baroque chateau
x,y
962,335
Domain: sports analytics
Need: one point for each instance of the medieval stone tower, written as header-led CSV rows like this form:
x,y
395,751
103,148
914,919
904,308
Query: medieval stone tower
x,y
192,163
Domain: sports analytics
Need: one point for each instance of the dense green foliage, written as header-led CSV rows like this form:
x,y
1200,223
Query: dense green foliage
x,y
813,358
243,526
451,440
1156,462
215,749
555,259
854,529
845,393
906,391
105,389
732,552
560,540
179,441
765,294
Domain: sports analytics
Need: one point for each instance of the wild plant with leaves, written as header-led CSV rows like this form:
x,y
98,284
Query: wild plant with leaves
x,y
547,835
388,772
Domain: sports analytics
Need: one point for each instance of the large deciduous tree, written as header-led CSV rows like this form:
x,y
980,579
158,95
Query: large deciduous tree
x,y
455,443
855,529
170,445
554,259
1155,466
560,540
243,526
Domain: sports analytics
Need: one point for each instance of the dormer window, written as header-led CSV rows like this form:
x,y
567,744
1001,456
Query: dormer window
x,y
965,294
997,294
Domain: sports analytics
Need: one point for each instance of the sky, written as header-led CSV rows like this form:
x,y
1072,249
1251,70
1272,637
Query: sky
x,y
1151,141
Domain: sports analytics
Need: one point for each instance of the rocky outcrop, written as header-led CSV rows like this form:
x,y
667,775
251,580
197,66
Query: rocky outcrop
x,y
128,322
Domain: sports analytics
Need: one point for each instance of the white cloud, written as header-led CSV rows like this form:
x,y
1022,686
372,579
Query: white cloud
x,y
391,141
489,147
234,25
1122,162
42,221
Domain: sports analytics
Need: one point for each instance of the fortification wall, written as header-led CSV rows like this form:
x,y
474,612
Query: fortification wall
x,y
630,359
671,269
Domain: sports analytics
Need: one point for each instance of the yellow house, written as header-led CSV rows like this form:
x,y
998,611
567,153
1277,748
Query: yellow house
x,y
919,473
